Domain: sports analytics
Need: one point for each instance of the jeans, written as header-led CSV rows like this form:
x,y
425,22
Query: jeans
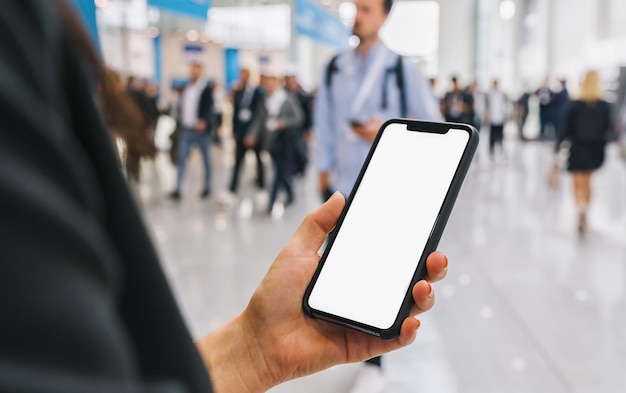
x,y
187,138
282,177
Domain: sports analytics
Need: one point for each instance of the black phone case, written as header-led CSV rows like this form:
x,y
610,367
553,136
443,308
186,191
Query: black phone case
x,y
433,240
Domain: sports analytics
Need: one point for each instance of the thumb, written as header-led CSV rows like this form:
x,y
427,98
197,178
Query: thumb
x,y
317,224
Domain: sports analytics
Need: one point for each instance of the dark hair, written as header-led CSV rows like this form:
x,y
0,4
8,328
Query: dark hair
x,y
454,79
388,4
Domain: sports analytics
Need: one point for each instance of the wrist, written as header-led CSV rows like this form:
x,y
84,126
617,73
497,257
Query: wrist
x,y
235,361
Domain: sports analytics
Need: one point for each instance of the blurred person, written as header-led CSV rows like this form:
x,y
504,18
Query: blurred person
x,y
456,104
175,111
475,105
86,305
275,128
497,103
546,110
522,108
587,126
438,100
292,85
304,99
125,120
263,79
248,101
559,106
197,121
361,88
153,94
219,102
620,130
136,89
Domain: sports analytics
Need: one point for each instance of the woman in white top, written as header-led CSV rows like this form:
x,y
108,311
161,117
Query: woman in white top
x,y
280,120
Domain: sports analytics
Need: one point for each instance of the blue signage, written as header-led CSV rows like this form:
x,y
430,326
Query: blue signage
x,y
193,53
232,68
87,10
319,24
192,8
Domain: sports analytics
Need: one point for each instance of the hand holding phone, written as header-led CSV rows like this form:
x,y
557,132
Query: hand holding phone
x,y
366,130
392,221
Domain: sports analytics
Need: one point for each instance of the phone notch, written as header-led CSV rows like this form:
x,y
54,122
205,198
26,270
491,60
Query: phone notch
x,y
433,128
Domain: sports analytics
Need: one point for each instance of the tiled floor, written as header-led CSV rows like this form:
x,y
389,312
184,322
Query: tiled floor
x,y
528,306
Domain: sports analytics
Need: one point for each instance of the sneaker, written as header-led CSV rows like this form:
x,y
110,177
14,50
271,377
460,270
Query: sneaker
x,y
369,380
227,199
289,202
205,194
175,196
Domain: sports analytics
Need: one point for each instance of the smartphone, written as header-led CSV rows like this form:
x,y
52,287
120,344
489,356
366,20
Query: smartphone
x,y
393,219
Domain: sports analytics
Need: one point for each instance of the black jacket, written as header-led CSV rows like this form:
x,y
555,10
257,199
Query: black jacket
x,y
242,128
84,304
586,122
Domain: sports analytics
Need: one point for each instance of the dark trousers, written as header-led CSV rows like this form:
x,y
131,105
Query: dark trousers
x,y
496,135
282,177
546,122
521,122
240,155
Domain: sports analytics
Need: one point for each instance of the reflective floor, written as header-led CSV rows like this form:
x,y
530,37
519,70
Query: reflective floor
x,y
528,306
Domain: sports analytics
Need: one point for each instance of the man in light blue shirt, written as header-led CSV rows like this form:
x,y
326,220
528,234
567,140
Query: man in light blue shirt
x,y
360,90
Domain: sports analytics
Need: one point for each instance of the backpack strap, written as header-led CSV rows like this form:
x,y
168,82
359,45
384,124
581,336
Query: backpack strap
x,y
401,86
331,68
397,69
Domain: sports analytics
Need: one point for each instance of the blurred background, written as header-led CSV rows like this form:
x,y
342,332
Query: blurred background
x,y
477,40
533,301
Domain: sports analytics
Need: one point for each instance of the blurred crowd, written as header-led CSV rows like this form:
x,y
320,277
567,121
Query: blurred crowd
x,y
582,125
274,114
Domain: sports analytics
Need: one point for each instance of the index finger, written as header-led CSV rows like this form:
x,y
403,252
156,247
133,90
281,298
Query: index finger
x,y
437,266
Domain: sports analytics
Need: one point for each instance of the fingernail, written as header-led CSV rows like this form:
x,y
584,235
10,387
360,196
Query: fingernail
x,y
432,291
445,269
335,195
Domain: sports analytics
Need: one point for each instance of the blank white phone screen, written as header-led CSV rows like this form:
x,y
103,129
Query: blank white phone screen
x,y
375,254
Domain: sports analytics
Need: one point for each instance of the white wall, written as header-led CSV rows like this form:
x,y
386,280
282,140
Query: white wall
x,y
133,55
575,36
456,45
501,48
312,60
